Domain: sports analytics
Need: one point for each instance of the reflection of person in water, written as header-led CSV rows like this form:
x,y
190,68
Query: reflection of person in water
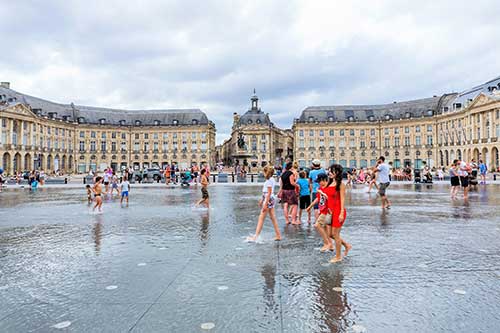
x,y
97,234
205,219
268,272
332,301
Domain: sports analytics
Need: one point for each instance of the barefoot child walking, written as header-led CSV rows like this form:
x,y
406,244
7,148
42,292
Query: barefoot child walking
x,y
124,189
304,196
267,205
336,205
324,218
97,189
204,189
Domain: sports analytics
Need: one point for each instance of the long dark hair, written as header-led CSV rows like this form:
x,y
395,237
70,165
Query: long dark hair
x,y
337,169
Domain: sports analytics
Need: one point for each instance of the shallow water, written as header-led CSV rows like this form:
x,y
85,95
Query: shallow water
x,y
160,264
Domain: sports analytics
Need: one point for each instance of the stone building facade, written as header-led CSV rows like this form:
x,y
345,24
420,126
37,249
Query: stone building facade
x,y
39,134
261,142
436,130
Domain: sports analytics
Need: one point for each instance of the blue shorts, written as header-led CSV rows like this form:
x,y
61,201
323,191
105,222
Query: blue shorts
x,y
124,194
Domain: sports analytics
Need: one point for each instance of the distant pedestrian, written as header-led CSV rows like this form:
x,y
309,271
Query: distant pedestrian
x,y
382,170
483,169
125,190
454,179
304,196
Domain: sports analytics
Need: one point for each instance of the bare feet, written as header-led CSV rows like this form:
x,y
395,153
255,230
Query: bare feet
x,y
325,248
347,249
277,238
336,260
251,239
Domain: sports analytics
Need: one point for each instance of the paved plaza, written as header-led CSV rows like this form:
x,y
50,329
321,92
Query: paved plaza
x,y
429,264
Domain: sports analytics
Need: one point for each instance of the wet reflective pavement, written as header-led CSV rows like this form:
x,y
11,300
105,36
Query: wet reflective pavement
x,y
161,265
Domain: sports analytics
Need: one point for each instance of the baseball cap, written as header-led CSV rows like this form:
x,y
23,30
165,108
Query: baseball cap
x,y
316,162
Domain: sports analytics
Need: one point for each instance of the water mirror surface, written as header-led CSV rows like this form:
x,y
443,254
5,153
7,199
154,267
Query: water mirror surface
x,y
429,264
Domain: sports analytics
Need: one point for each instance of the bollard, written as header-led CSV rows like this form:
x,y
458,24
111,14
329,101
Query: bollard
x,y
232,176
213,177
495,176
251,176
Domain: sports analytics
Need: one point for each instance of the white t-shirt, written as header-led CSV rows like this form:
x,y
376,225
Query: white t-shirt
x,y
383,174
125,186
269,183
463,169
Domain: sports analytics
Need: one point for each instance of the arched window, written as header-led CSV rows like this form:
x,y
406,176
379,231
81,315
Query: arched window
x,y
157,122
137,123
122,122
102,121
175,122
195,121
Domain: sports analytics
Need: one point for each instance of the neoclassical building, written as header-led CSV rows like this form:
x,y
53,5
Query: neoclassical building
x,y
39,134
436,130
255,140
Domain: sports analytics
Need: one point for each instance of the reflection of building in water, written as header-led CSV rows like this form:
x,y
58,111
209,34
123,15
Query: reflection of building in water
x,y
268,272
255,140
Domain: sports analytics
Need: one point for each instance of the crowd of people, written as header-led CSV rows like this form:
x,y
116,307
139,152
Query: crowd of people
x,y
318,192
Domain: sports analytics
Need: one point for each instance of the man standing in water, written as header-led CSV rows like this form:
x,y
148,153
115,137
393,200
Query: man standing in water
x,y
383,176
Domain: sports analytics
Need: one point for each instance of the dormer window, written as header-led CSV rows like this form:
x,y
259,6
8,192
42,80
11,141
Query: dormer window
x,y
102,121
371,118
195,121
249,121
311,119
350,119
330,119
388,117
65,118
157,123
431,113
408,115
81,120
52,115
175,122
137,123
259,121
122,122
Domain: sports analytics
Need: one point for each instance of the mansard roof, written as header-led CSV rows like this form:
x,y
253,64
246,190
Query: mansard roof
x,y
373,112
98,115
489,88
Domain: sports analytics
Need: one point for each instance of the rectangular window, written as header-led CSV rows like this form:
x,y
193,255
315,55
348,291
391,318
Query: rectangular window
x,y
136,136
164,146
113,135
417,129
57,131
351,132
407,141
386,142
396,142
301,143
49,130
103,146
321,133
146,136
194,145
418,140
155,147
407,130
175,146
82,146
124,136
373,144
204,146
264,148
342,143
123,146
372,132
146,147
396,130
136,147
193,136
352,143
332,143
311,143
429,128
332,132
321,142
341,132
174,135
386,131
56,144
92,146
301,133
203,135
113,146
362,144
92,135
155,136
362,132
311,132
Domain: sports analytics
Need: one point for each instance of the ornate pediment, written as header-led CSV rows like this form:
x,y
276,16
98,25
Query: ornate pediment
x,y
481,100
20,109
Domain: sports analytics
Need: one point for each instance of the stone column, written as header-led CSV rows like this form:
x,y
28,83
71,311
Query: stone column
x,y
21,135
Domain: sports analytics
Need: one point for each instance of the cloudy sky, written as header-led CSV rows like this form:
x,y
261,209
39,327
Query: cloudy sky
x,y
211,54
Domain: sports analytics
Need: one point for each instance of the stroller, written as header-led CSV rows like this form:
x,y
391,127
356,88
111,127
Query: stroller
x,y
417,176
427,175
186,179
